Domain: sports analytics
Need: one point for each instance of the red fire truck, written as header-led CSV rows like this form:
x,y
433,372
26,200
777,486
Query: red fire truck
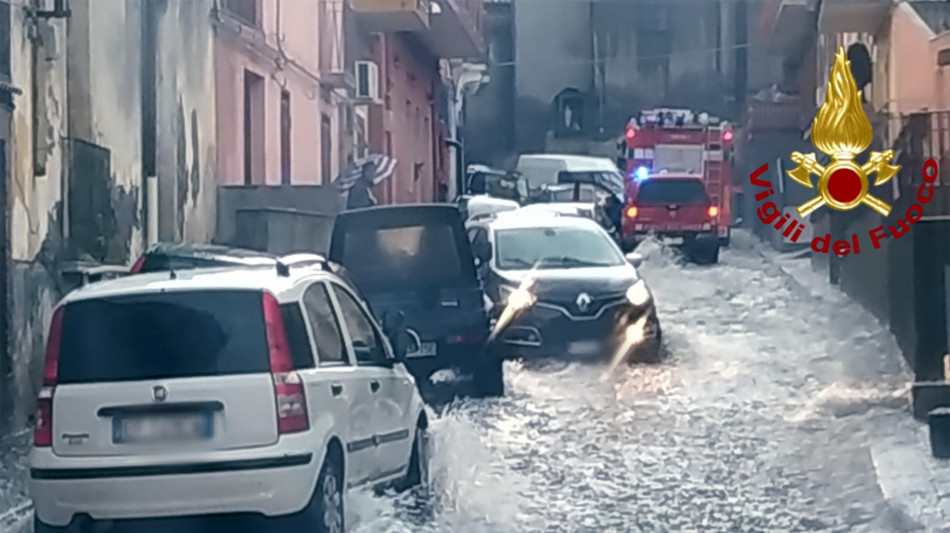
x,y
679,180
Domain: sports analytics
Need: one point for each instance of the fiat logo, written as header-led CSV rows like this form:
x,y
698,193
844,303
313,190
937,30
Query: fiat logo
x,y
159,393
583,301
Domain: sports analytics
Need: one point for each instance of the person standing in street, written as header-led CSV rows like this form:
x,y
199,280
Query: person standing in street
x,y
361,193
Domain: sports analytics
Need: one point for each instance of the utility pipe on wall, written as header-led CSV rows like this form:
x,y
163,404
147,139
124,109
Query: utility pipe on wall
x,y
151,210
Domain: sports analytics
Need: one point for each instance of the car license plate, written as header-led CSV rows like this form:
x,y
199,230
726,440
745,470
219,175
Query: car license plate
x,y
167,428
583,347
426,349
673,241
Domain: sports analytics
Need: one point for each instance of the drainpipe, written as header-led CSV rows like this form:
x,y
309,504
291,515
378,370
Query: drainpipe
x,y
459,154
151,210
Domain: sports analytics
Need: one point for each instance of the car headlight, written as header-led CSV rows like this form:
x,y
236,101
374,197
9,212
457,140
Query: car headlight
x,y
515,297
638,294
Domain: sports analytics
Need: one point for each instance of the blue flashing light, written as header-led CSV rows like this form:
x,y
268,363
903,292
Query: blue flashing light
x,y
641,173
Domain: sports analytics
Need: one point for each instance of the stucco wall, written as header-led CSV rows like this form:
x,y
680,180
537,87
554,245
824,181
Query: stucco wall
x,y
912,67
95,69
185,114
413,79
552,53
299,31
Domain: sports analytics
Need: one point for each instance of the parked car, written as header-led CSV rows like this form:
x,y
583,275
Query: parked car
x,y
257,393
483,205
166,256
481,179
585,294
543,169
417,260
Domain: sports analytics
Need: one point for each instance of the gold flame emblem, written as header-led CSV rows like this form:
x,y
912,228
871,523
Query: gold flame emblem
x,y
842,130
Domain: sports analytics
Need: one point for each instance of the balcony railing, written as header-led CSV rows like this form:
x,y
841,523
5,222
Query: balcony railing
x,y
924,136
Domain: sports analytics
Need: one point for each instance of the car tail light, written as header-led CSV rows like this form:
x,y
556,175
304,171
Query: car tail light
x,y
43,432
137,267
713,211
631,212
292,416
631,133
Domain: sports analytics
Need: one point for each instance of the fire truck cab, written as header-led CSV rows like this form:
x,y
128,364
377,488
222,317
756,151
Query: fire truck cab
x,y
678,180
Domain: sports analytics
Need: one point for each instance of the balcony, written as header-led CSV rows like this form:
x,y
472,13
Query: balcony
x,y
858,16
784,23
925,136
392,15
455,29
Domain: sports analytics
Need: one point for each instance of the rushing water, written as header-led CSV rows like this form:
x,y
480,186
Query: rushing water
x,y
756,422
759,420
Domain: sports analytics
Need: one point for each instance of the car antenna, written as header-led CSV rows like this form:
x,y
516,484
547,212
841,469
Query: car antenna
x,y
282,270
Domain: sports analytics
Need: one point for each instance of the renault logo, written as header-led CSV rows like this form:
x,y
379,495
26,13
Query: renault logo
x,y
583,301
159,393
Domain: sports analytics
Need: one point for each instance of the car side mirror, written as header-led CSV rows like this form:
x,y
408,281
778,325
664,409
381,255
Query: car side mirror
x,y
394,328
634,259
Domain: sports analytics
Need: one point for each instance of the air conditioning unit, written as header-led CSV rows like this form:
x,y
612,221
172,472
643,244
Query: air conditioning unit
x,y
367,80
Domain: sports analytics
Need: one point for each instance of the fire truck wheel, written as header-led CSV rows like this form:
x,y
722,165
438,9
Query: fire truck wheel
x,y
724,241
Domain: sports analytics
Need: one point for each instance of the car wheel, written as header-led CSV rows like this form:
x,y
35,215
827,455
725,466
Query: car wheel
x,y
325,513
417,476
490,378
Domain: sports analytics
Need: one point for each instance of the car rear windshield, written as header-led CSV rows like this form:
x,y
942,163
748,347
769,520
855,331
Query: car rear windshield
x,y
672,191
163,335
424,254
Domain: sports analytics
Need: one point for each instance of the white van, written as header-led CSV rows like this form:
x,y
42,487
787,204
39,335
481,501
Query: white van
x,y
542,169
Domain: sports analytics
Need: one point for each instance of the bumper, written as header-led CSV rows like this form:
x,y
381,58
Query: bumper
x,y
267,484
546,331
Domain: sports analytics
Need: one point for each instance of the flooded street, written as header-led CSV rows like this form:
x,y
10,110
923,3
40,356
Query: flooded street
x,y
756,421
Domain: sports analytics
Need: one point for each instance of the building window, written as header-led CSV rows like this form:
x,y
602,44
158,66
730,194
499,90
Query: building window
x,y
285,137
253,128
326,149
243,10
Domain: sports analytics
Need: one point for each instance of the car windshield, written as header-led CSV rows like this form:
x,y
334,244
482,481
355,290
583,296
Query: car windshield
x,y
423,254
556,247
163,335
672,191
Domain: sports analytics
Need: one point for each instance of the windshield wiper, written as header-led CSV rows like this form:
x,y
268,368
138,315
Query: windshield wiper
x,y
574,262
517,262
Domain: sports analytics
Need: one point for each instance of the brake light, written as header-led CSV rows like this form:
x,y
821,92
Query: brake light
x,y
292,416
43,432
713,211
727,136
631,212
137,267
631,133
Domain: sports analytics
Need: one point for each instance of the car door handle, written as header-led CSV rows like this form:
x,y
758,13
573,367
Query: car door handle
x,y
336,389
374,386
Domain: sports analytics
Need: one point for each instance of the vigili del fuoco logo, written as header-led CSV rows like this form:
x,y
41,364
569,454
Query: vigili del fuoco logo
x,y
842,130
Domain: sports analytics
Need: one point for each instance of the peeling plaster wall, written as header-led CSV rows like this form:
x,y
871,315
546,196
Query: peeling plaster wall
x,y
105,110
35,189
185,114
95,68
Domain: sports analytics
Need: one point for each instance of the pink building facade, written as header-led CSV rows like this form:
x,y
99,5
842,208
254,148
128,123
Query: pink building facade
x,y
278,118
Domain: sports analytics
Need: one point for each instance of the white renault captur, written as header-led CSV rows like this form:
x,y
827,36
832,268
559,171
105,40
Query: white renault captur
x,y
255,395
